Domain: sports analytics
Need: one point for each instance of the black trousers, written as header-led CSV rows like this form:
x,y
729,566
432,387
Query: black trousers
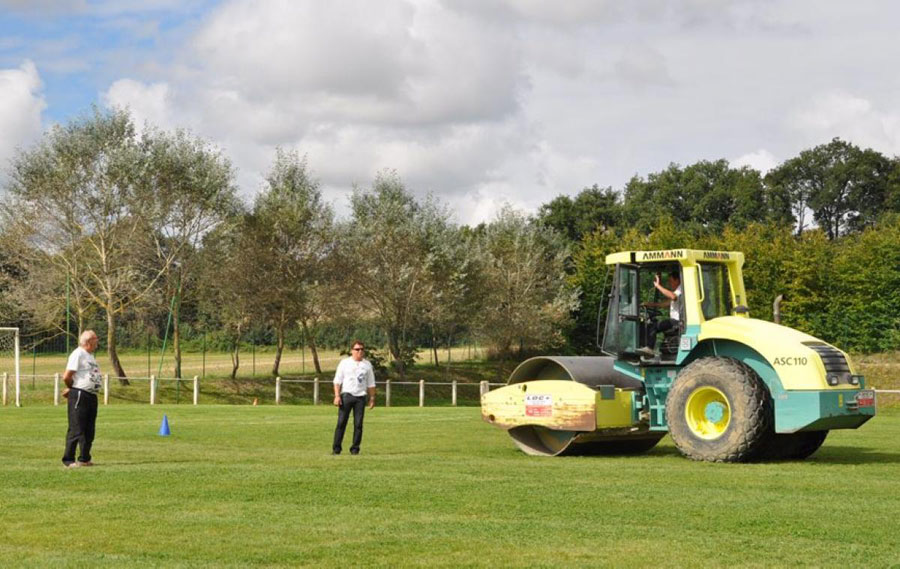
x,y
659,326
358,406
82,419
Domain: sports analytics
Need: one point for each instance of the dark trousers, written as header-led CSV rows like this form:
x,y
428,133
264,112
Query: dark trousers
x,y
348,403
658,326
82,419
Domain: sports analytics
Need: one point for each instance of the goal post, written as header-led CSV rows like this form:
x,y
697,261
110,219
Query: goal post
x,y
9,361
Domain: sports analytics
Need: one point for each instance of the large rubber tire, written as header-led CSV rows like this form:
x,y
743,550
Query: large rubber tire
x,y
793,446
719,410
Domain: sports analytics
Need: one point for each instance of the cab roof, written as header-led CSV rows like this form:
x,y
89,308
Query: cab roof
x,y
683,256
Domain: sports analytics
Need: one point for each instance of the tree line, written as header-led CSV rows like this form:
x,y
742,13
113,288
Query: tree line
x,y
128,229
138,228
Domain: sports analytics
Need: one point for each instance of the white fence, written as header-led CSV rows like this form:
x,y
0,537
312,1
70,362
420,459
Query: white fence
x,y
153,387
483,387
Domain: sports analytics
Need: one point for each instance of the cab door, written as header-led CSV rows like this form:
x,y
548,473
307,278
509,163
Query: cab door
x,y
623,318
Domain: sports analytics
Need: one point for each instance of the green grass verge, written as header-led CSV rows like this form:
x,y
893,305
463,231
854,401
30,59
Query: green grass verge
x,y
241,486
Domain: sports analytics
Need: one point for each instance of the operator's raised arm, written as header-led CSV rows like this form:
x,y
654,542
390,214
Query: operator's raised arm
x,y
673,294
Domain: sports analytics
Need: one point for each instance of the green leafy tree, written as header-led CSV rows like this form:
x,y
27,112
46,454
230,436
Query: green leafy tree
x,y
387,257
591,210
227,263
843,187
706,195
191,190
528,302
291,228
79,194
864,299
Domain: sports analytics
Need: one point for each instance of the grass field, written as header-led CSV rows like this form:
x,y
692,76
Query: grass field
x,y
256,486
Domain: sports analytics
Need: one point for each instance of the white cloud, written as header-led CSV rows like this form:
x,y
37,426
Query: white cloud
x,y
483,102
355,86
148,104
21,105
643,66
851,118
761,160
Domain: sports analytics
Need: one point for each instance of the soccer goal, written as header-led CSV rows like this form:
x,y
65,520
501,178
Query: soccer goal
x,y
9,362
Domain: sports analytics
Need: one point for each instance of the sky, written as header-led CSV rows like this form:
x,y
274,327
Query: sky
x,y
479,103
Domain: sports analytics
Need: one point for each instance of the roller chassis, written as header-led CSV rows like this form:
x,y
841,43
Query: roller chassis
x,y
801,387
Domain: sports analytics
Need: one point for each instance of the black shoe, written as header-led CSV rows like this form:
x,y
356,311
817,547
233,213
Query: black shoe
x,y
333,453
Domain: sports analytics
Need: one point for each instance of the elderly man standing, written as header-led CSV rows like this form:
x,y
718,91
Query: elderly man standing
x,y
353,379
83,381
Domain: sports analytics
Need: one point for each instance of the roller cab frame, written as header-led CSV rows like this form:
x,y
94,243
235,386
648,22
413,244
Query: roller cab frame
x,y
726,386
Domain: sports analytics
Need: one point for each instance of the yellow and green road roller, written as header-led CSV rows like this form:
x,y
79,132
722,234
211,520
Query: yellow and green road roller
x,y
725,386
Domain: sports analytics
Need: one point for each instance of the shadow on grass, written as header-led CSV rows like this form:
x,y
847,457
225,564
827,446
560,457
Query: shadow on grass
x,y
853,455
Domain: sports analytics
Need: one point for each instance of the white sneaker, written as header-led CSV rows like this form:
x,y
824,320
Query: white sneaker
x,y
646,352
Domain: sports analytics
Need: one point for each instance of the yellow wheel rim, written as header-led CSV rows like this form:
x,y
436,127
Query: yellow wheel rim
x,y
708,413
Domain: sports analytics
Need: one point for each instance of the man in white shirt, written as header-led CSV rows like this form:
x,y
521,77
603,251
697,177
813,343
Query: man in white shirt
x,y
83,381
672,300
353,379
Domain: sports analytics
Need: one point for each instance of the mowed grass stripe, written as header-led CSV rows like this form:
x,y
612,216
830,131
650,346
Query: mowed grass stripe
x,y
238,486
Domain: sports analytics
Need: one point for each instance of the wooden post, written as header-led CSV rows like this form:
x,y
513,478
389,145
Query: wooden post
x,y
152,390
484,387
196,390
5,377
56,389
316,391
453,393
421,393
387,393
106,389
277,391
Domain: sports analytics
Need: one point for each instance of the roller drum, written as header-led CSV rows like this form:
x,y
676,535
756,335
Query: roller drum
x,y
592,372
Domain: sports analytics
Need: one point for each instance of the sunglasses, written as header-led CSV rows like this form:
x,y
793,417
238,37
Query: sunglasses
x,y
358,349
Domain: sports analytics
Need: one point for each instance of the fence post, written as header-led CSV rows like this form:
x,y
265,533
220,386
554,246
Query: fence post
x,y
421,393
277,391
453,393
5,376
106,389
56,389
196,390
316,391
387,393
152,390
484,388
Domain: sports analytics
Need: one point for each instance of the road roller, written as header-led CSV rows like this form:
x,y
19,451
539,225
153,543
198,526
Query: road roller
x,y
683,356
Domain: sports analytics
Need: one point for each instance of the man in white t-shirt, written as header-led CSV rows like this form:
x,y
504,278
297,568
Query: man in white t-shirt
x,y
672,300
353,379
83,381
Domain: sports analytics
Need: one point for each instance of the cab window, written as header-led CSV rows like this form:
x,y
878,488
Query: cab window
x,y
716,291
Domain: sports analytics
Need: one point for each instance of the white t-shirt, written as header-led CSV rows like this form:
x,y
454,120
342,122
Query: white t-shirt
x,y
354,376
675,305
87,372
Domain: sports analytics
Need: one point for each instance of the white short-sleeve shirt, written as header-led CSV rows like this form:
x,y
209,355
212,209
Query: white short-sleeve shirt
x,y
87,372
354,377
675,305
